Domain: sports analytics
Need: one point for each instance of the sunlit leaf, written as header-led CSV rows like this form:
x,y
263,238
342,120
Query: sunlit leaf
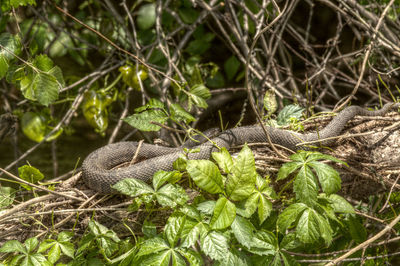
x,y
133,187
224,214
215,245
305,186
180,114
142,121
241,182
270,103
243,230
328,177
7,195
223,159
30,174
289,111
206,175
289,216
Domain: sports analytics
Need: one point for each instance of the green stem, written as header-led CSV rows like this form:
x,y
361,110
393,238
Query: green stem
x,y
113,83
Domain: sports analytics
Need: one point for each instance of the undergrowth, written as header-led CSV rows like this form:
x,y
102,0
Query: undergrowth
x,y
237,218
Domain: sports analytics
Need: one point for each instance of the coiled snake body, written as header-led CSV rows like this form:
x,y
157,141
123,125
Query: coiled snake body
x,y
98,168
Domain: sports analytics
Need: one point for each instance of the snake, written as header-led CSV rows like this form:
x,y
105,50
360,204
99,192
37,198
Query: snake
x,y
100,169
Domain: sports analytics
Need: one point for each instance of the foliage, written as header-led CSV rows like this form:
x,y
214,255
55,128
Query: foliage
x,y
230,226
155,64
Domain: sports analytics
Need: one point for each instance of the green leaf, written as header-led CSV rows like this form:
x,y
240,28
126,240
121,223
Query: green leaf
x,y
270,103
231,67
206,175
173,229
324,228
198,47
54,254
133,187
17,258
15,74
191,233
149,229
13,246
305,186
215,245
42,87
290,241
241,182
307,227
312,226
313,156
215,81
286,259
192,257
30,174
31,244
357,230
100,230
190,211
223,159
17,3
61,45
180,164
152,246
62,244
158,259
198,94
236,257
340,205
146,16
67,249
177,259
46,244
160,177
286,169
278,259
300,156
170,195
224,214
263,185
43,62
12,46
247,207
57,73
3,66
106,239
264,208
142,121
188,14
264,243
243,230
180,114
289,111
289,216
27,88
206,207
7,195
64,237
328,177
40,259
